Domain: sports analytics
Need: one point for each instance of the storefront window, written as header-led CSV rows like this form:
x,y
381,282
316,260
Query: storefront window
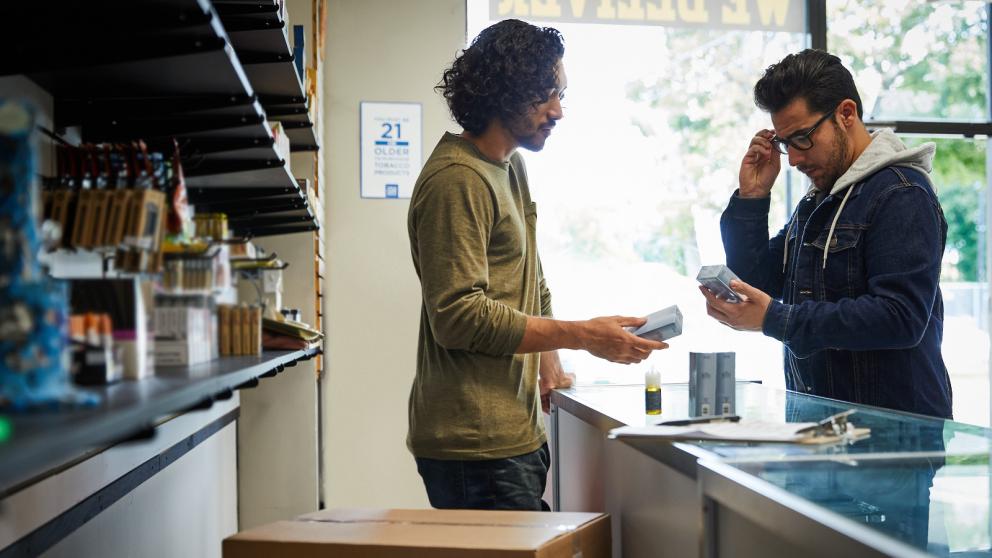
x,y
914,60
924,62
631,185
960,178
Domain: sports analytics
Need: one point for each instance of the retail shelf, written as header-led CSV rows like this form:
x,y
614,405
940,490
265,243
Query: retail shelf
x,y
207,149
176,126
243,209
301,136
280,211
261,195
40,442
71,110
200,73
270,40
288,113
273,176
207,67
255,212
278,229
260,220
174,47
215,166
259,37
247,8
263,221
273,77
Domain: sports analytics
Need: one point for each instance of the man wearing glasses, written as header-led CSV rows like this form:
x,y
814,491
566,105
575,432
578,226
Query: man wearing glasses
x,y
850,282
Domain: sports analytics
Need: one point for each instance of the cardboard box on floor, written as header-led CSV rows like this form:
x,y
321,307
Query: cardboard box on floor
x,y
358,533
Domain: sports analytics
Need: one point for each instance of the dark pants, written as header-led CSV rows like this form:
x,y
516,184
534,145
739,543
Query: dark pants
x,y
513,483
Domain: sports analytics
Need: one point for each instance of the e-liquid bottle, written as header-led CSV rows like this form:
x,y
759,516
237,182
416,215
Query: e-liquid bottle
x,y
652,391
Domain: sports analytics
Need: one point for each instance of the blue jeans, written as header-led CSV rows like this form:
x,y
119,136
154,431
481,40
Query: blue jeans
x,y
513,483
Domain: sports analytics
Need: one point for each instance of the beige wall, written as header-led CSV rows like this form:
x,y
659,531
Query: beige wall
x,y
278,471
377,50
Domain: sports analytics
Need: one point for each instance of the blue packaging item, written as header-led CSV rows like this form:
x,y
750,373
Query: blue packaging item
x,y
19,242
34,372
299,51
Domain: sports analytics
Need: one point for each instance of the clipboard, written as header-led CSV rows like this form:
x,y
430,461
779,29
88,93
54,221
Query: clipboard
x,y
831,430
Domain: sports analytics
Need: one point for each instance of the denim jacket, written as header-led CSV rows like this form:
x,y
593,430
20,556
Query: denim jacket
x,y
863,320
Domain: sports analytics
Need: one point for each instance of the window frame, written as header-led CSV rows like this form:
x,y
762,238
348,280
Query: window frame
x,y
816,28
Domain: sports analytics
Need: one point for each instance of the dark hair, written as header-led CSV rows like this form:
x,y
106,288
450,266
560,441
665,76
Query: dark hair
x,y
815,75
508,68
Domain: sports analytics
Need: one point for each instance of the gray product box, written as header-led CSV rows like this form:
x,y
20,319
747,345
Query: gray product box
x,y
726,383
702,384
717,279
661,325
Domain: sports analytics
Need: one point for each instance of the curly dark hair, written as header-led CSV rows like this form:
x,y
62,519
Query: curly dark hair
x,y
815,75
510,67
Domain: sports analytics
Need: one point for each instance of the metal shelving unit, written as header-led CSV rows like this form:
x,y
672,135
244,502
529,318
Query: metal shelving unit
x,y
202,73
258,34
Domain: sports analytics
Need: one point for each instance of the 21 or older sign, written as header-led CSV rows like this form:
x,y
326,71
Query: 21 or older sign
x,y
391,149
770,15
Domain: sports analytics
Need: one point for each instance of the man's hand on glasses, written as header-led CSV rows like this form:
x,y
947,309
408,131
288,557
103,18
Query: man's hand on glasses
x,y
760,166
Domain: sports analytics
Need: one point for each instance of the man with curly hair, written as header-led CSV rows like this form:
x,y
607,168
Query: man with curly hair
x,y
487,356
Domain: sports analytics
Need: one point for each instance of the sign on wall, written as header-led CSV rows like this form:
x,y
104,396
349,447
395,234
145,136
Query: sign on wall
x,y
390,149
771,15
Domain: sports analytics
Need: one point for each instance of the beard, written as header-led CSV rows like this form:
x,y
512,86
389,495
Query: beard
x,y
527,134
835,166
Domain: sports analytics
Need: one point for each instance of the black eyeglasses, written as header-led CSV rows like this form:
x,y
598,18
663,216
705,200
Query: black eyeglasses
x,y
800,141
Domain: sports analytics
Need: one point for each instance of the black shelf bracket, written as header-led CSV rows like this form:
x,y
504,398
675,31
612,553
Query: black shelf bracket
x,y
218,195
276,231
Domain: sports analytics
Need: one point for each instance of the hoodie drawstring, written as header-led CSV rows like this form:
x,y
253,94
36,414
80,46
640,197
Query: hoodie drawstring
x,y
833,226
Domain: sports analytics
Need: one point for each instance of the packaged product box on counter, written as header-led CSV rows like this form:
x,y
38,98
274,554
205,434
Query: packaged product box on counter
x,y
353,533
189,269
239,330
131,306
94,358
182,325
712,384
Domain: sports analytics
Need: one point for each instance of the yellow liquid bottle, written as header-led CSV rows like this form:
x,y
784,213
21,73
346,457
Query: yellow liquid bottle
x,y
652,392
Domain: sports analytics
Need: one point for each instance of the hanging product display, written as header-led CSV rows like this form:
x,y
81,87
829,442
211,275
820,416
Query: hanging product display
x,y
119,197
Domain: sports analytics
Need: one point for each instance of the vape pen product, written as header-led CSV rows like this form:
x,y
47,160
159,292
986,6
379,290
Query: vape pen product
x,y
717,279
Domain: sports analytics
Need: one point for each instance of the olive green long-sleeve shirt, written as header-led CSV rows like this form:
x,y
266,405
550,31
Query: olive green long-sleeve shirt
x,y
472,236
